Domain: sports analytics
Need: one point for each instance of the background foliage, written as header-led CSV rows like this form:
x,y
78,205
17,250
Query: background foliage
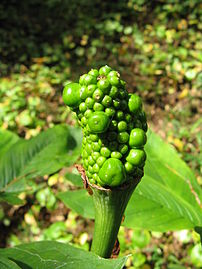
x,y
156,46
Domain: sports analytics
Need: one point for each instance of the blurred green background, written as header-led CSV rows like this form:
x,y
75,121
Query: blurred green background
x,y
157,48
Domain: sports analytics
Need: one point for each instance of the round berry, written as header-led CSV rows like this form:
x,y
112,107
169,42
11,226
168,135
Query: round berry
x,y
94,72
98,122
82,107
98,95
137,138
136,157
107,100
89,79
88,113
122,126
83,93
135,103
104,70
104,85
101,160
116,154
98,107
105,152
129,167
89,102
90,90
71,95
110,112
112,173
123,149
123,137
113,93
114,81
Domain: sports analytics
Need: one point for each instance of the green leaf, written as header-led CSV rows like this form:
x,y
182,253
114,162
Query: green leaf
x,y
50,254
78,200
167,198
7,139
8,264
10,198
44,154
75,179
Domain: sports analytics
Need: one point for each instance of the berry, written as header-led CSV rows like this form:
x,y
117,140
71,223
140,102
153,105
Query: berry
x,y
71,95
137,138
134,103
112,173
98,122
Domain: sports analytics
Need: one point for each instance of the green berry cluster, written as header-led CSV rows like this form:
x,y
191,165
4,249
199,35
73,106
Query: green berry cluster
x,y
114,127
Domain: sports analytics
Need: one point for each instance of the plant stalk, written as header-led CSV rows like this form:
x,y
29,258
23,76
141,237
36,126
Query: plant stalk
x,y
110,205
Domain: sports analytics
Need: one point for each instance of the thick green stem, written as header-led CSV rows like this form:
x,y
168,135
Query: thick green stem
x,y
109,206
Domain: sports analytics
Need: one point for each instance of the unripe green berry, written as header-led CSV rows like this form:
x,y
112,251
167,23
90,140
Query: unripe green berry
x,y
95,155
98,107
123,137
110,112
83,93
104,70
81,79
117,103
136,157
98,95
96,178
98,122
135,103
71,95
90,169
89,79
107,100
114,81
123,149
122,126
88,113
94,72
113,74
101,160
116,154
89,102
104,85
94,137
105,152
129,167
96,168
96,146
82,107
128,117
112,173
90,90
119,115
84,121
113,93
91,161
137,138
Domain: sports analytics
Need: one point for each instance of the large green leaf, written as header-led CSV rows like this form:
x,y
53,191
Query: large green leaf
x,y
168,197
53,255
41,155
8,264
7,139
79,201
